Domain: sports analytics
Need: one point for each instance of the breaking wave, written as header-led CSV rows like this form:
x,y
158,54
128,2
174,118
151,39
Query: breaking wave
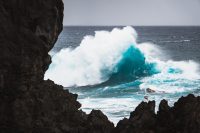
x,y
115,57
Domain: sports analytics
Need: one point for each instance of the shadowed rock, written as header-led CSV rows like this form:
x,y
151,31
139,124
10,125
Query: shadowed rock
x,y
141,120
98,122
184,117
28,104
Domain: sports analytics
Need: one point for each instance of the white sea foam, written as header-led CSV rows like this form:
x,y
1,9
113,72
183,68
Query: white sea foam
x,y
114,110
95,60
84,65
174,77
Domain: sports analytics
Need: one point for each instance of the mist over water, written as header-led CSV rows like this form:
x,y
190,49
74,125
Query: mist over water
x,y
111,71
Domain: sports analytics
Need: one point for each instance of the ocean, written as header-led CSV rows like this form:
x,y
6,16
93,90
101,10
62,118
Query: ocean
x,y
110,68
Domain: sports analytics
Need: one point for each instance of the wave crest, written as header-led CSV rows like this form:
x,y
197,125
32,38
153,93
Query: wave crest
x,y
112,57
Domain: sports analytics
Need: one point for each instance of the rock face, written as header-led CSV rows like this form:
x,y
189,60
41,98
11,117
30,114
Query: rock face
x,y
184,117
141,120
28,104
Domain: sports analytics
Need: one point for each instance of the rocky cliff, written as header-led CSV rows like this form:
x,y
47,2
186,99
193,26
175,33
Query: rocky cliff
x,y
28,30
28,104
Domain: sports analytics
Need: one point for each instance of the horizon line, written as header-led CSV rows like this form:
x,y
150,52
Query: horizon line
x,y
133,25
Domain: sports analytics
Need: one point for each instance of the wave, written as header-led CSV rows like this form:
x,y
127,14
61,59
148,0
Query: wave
x,y
133,65
113,58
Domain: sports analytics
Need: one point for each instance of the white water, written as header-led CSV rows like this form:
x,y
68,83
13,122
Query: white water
x,y
83,65
95,60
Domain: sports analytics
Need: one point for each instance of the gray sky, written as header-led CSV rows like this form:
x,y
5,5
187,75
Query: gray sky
x,y
132,12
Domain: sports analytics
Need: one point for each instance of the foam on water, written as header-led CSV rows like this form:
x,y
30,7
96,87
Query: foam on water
x,y
99,57
115,110
119,69
174,77
115,57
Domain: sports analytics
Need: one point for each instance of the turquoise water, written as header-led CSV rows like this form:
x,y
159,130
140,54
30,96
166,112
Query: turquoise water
x,y
111,71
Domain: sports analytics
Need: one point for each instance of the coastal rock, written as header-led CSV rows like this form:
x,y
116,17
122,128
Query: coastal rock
x,y
142,120
28,104
183,117
97,122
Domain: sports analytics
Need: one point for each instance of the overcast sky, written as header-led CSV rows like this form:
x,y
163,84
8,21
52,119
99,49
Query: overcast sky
x,y
132,12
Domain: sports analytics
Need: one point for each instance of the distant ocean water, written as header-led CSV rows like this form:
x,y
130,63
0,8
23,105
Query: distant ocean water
x,y
111,67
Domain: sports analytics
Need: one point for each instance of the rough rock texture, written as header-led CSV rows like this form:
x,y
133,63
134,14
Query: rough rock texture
x,y
184,117
141,120
28,104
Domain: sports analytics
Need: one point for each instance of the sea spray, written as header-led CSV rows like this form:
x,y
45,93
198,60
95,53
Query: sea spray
x,y
115,58
99,58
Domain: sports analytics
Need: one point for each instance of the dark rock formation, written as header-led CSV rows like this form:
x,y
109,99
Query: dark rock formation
x,y
97,120
184,117
143,119
28,104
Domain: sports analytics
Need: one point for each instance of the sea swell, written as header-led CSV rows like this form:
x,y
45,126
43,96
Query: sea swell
x,y
110,71
114,58
132,66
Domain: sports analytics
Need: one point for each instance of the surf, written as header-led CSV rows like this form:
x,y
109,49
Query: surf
x,y
112,66
114,58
